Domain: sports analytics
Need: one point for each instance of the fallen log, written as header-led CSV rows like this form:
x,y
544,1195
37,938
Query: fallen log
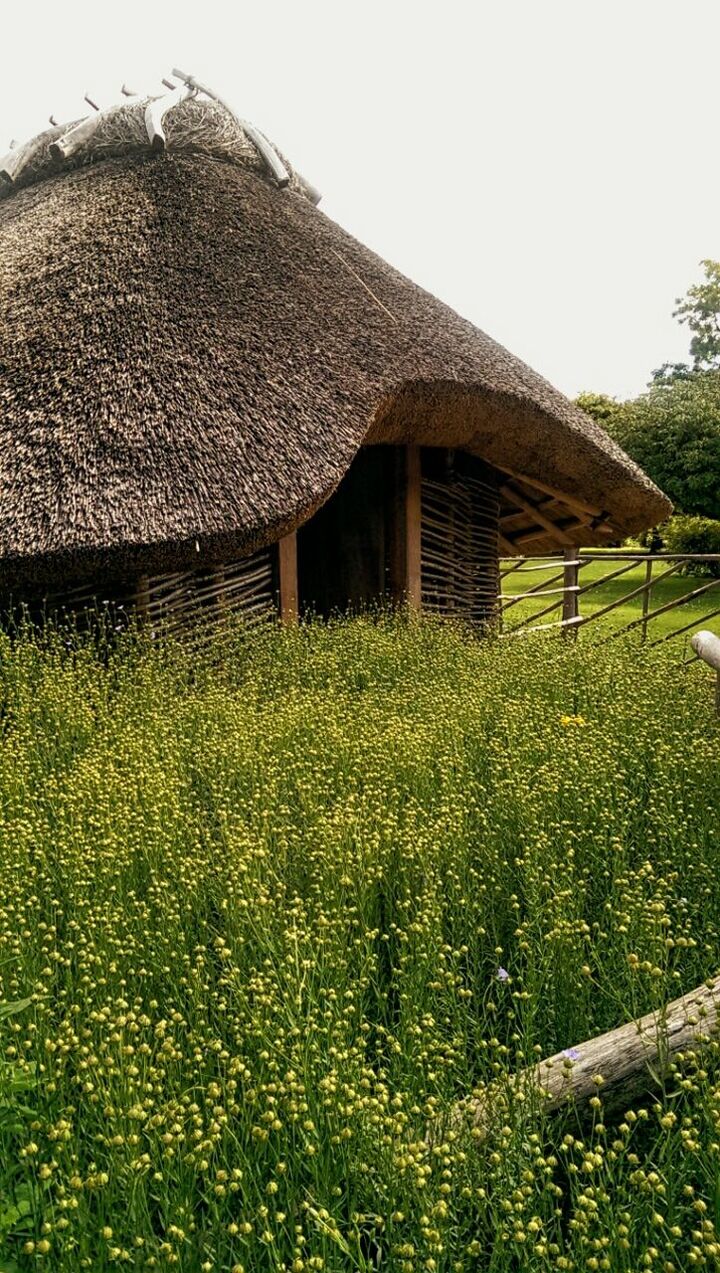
x,y
613,1065
707,647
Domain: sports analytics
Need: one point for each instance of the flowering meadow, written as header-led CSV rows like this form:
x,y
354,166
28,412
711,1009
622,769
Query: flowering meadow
x,y
268,912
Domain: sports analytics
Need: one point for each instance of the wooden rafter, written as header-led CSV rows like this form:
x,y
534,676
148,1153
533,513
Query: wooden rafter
x,y
577,524
512,514
534,511
571,501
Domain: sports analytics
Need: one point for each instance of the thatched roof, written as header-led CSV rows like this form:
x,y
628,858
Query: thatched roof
x,y
190,357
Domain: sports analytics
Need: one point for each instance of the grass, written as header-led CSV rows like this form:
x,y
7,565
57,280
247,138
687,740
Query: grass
x,y
251,920
671,589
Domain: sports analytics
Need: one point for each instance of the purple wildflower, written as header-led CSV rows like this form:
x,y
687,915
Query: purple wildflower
x,y
572,1054
503,974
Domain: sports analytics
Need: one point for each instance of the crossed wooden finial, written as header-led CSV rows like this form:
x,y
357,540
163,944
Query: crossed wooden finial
x,y
68,142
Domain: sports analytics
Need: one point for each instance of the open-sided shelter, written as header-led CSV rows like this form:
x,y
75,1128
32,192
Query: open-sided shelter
x,y
212,396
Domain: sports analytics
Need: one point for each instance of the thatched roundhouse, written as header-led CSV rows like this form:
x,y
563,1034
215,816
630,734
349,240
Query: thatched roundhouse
x,y
210,394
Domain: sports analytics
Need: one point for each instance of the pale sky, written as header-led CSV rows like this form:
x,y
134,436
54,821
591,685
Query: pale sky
x,y
549,168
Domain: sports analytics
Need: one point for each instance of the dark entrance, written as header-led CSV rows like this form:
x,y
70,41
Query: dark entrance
x,y
344,550
405,523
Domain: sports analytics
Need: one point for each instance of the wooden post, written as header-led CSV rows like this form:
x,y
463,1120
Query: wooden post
x,y
288,578
413,565
570,606
142,598
454,605
218,599
646,597
404,558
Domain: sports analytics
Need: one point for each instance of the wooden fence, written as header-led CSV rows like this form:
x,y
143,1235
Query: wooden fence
x,y
582,586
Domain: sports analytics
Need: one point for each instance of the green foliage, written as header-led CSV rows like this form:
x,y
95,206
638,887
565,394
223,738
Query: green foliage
x,y
694,535
673,430
601,407
673,433
18,1201
670,371
11,1009
700,310
259,901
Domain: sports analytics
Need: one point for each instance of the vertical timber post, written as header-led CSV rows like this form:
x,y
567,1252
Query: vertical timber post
x,y
413,529
288,578
646,597
141,599
570,606
218,597
405,560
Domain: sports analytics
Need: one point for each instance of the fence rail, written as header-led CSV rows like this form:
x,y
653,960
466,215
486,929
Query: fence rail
x,y
635,592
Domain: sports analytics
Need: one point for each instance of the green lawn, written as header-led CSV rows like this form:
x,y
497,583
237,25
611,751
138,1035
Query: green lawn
x,y
269,912
670,589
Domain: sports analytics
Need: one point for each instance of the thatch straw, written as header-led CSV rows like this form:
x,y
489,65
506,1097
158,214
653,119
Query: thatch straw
x,y
190,358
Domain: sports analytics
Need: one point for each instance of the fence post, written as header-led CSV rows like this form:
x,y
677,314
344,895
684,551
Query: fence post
x,y
570,606
646,597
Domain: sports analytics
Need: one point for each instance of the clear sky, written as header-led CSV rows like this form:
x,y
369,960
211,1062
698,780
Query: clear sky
x,y
548,167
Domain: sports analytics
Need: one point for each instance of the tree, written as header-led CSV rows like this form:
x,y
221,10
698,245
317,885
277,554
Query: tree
x,y
671,371
601,407
673,433
673,430
699,309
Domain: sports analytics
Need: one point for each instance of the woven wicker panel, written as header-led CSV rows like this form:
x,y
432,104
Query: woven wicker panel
x,y
181,604
459,542
177,602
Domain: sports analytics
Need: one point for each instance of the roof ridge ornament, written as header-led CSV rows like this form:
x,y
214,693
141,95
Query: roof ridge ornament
x,y
66,145
68,139
159,107
267,152
18,157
